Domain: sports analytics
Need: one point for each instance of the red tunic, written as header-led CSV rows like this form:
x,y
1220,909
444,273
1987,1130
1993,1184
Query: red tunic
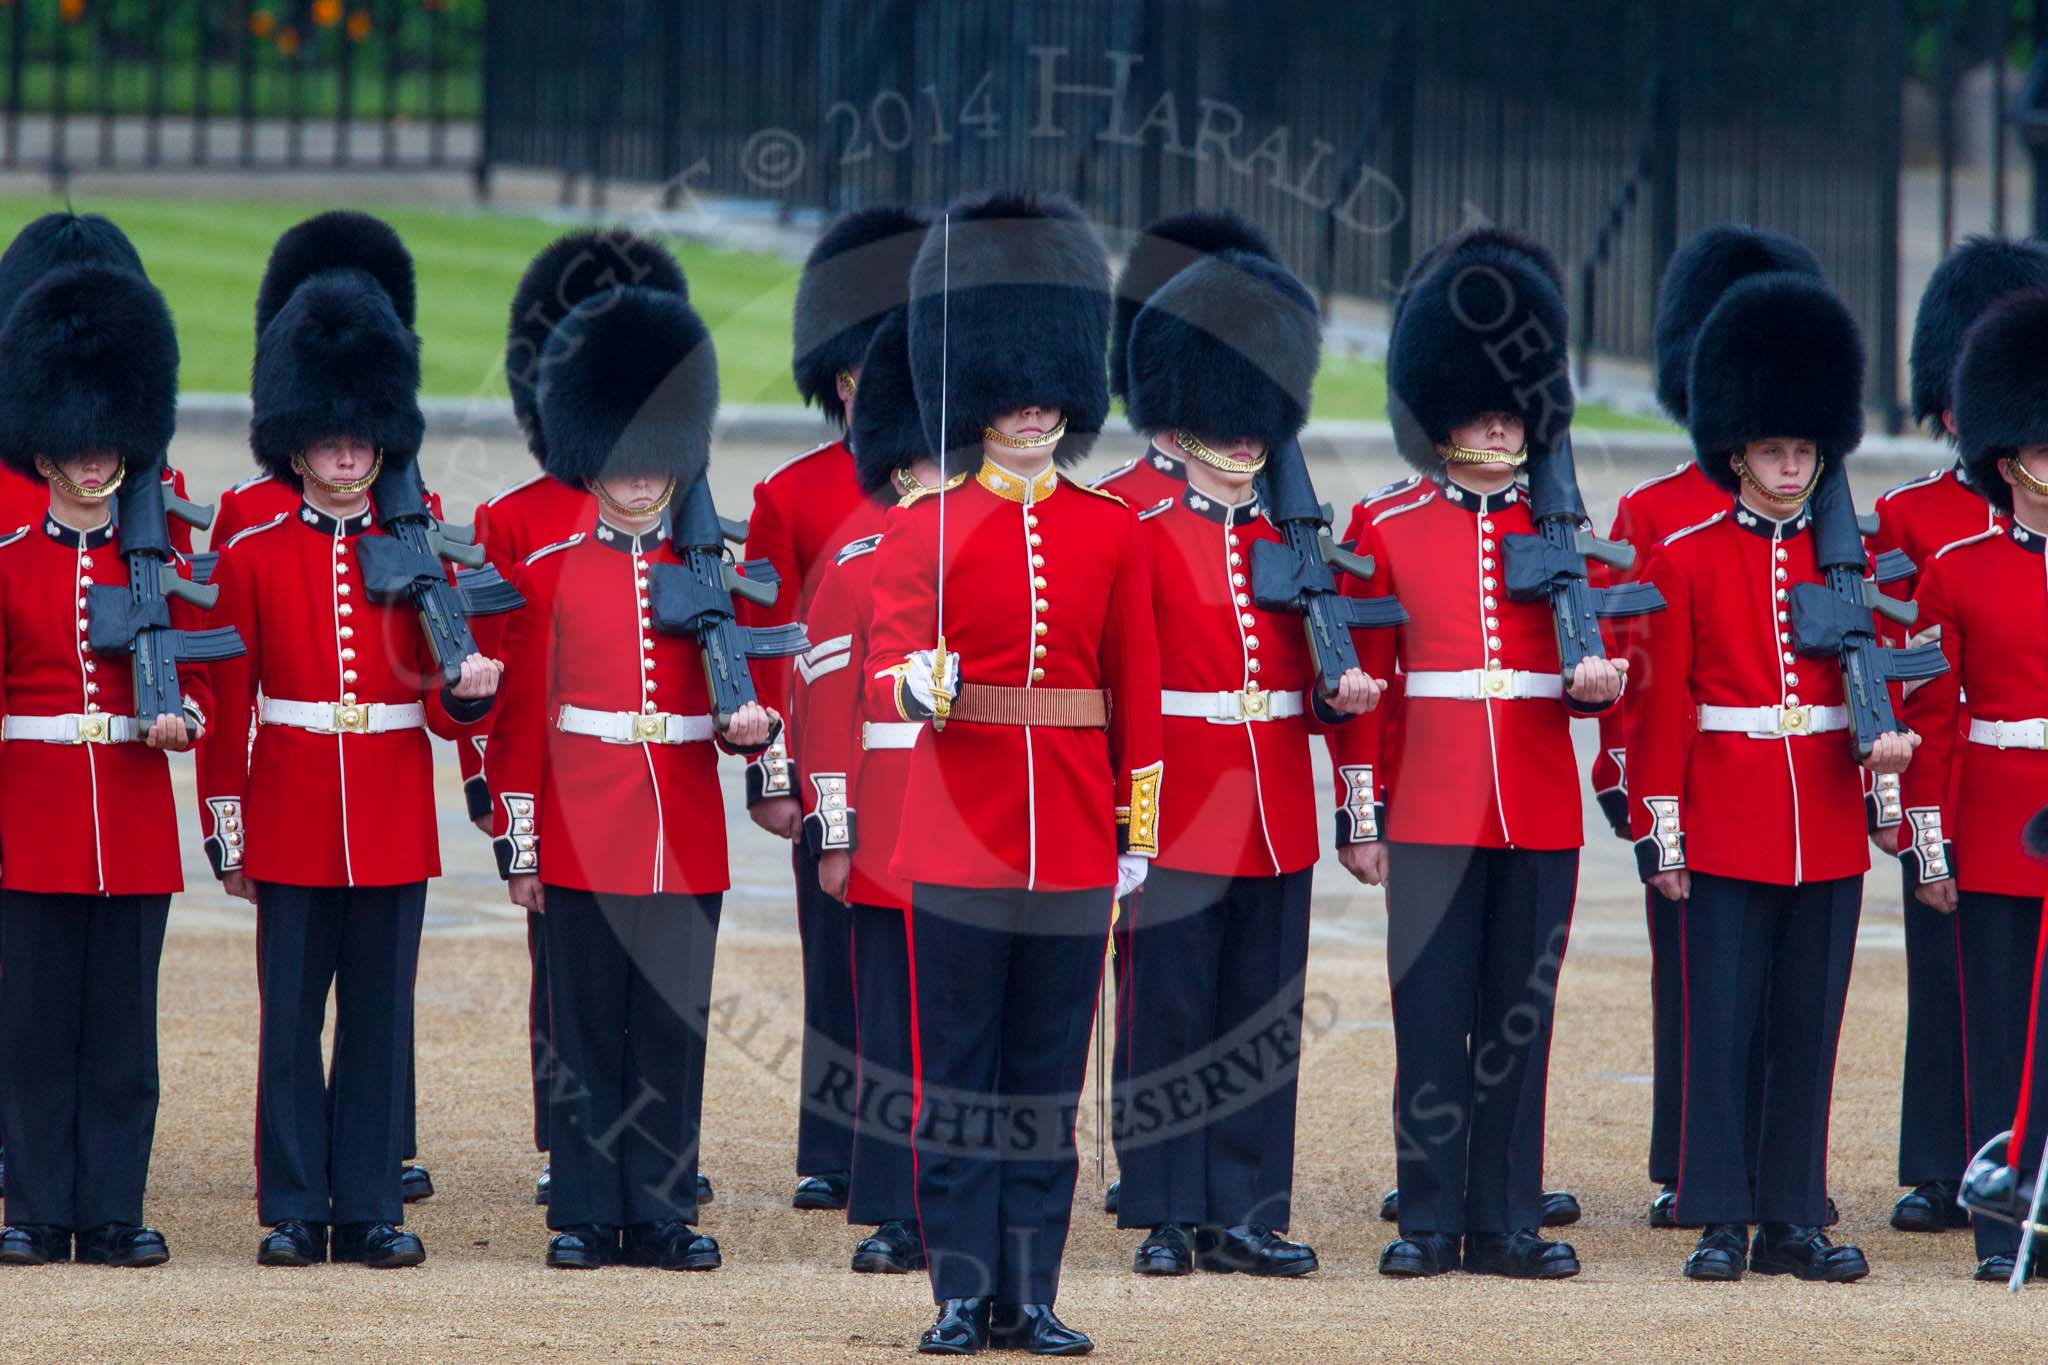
x,y
1985,600
1657,507
1148,478
1785,810
1353,795
618,818
79,819
1244,792
254,501
839,772
526,517
1012,805
1493,773
320,809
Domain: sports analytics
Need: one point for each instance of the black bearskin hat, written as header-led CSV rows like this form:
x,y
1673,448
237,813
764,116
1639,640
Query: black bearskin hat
x,y
88,362
56,240
1029,318
2001,390
566,272
1162,251
1972,278
335,351
1226,348
858,272
1708,265
631,388
887,432
1482,328
1779,355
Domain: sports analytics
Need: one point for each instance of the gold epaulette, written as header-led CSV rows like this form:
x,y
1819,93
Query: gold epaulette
x,y
913,496
1091,488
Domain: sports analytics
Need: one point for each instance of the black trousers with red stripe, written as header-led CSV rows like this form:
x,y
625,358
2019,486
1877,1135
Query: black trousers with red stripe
x,y
884,1177
1932,1143
540,1033
2030,1113
1774,959
1217,972
78,1055
1667,1067
1995,947
824,1125
1475,941
1005,982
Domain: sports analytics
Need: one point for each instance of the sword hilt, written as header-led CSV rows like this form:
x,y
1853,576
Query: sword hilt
x,y
942,695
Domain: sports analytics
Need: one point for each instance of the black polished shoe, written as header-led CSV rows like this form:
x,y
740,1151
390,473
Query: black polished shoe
x,y
415,1184
891,1249
1390,1206
1111,1195
34,1244
1032,1327
1664,1208
1164,1251
704,1191
960,1329
586,1247
1560,1208
124,1245
1806,1252
1252,1249
671,1244
1929,1207
1519,1255
544,1185
1419,1255
1995,1269
293,1243
1719,1252
820,1192
380,1246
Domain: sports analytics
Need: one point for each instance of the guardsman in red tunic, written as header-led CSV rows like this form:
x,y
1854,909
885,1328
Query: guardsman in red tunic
x,y
88,830
1221,362
1921,517
1465,803
1978,777
327,822
603,769
543,511
852,774
1037,803
1745,791
803,513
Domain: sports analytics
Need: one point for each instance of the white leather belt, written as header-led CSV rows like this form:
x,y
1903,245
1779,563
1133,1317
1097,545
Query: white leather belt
x,y
634,727
96,728
889,734
1774,722
343,718
1485,684
2010,734
1231,707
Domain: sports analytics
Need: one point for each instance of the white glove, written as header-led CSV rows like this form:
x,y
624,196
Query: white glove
x,y
918,677
1130,873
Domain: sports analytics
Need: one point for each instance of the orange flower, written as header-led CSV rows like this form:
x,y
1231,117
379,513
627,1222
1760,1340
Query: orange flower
x,y
288,41
326,13
359,25
262,23
71,11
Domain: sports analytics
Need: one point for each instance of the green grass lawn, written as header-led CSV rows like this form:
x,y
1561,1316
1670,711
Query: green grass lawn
x,y
207,257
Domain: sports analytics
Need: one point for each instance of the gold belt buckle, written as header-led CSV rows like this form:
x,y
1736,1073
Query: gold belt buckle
x,y
1253,704
92,729
352,719
1795,720
1496,683
650,729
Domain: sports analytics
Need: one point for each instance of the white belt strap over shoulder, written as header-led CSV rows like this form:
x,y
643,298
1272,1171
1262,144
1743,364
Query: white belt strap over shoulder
x,y
343,718
1485,684
1231,708
634,727
2010,734
95,728
1774,722
889,734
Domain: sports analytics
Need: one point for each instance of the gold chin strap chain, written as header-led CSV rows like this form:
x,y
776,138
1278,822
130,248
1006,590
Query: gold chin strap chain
x,y
619,509
56,475
1457,454
1050,438
1195,448
2024,477
305,471
1797,499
